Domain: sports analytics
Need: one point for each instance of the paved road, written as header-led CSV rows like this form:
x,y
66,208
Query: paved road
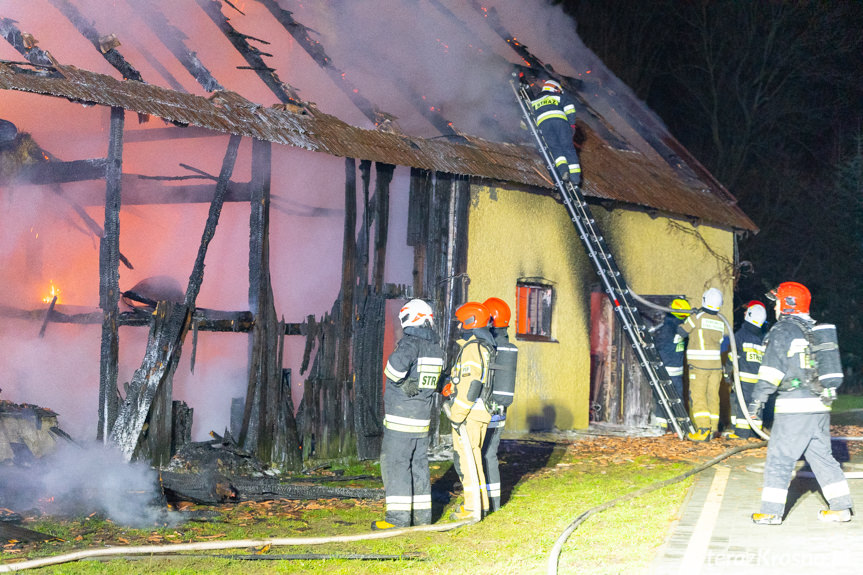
x,y
714,533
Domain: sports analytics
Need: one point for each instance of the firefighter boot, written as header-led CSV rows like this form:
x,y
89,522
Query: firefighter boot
x,y
701,435
831,515
382,525
766,519
460,514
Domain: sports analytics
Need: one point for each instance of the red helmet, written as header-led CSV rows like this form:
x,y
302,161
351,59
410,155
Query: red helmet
x,y
793,297
472,315
499,311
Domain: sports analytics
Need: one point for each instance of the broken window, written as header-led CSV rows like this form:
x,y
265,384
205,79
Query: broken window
x,y
533,310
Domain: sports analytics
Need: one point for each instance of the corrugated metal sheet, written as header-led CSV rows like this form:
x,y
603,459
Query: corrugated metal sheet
x,y
612,174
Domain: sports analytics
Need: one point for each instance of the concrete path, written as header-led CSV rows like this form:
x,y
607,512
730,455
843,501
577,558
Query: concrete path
x,y
714,533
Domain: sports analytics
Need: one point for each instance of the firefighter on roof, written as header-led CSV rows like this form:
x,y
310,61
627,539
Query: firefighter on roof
x,y
671,347
801,364
554,112
503,392
750,350
469,378
412,373
705,331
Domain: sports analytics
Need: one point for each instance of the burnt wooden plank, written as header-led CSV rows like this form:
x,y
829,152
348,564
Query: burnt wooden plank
x,y
58,172
169,329
251,54
172,38
109,278
383,177
87,30
24,43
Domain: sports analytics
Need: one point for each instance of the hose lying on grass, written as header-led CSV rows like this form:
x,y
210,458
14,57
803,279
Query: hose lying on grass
x,y
554,555
175,548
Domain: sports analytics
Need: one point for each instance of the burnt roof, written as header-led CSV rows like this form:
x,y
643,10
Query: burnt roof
x,y
611,174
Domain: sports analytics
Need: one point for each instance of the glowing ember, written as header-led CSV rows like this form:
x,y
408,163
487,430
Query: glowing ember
x,y
55,292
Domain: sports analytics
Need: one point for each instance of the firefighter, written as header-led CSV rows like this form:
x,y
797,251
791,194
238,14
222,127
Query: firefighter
x,y
671,346
503,392
468,412
703,356
750,349
554,112
412,373
801,424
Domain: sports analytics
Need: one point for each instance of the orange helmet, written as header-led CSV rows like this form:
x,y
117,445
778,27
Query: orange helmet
x,y
792,296
472,315
499,311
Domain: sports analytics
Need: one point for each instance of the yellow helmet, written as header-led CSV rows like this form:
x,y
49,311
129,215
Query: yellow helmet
x,y
680,303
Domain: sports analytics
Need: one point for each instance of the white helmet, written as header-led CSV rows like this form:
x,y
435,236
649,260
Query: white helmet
x,y
416,313
712,299
755,314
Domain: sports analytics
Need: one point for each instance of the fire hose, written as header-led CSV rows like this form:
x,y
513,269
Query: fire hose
x,y
469,464
554,555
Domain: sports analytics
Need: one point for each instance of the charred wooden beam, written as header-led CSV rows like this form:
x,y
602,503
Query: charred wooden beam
x,y
384,175
172,38
48,316
56,172
349,251
313,48
169,329
24,43
109,278
252,55
100,41
418,225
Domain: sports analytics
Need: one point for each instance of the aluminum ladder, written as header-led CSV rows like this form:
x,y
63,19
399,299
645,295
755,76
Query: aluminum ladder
x,y
612,279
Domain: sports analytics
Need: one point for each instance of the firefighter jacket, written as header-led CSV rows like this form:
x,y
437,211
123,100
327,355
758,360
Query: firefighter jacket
x,y
470,372
554,105
750,350
705,331
670,345
418,357
787,368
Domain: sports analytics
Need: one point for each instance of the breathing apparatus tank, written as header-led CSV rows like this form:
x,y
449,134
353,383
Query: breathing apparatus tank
x,y
825,349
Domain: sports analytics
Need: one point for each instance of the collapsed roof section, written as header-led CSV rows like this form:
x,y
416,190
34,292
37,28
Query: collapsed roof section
x,y
615,175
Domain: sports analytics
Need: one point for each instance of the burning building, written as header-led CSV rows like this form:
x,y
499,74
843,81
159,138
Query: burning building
x,y
292,172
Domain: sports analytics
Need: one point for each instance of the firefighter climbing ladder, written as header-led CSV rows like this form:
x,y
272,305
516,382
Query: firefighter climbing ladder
x,y
613,282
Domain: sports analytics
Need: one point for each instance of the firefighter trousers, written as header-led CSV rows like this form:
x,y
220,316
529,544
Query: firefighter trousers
x,y
490,463
475,431
405,471
558,135
793,435
704,396
659,413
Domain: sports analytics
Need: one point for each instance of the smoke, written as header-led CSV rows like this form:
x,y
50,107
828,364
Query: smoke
x,y
79,480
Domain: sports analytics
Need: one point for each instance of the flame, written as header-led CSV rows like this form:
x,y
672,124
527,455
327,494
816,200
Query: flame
x,y
55,292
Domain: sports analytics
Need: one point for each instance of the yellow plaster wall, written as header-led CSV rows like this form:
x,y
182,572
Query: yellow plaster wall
x,y
670,256
515,235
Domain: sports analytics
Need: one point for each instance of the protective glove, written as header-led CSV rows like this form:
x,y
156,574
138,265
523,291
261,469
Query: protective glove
x,y
755,409
828,396
411,387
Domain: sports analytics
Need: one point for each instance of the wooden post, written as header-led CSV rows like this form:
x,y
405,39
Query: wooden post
x,y
383,177
109,279
165,343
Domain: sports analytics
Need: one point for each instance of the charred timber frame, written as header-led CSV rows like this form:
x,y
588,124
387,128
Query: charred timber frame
x,y
109,278
268,427
251,54
316,51
153,380
90,33
172,38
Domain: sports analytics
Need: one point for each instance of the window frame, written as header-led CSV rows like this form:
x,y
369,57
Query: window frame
x,y
529,290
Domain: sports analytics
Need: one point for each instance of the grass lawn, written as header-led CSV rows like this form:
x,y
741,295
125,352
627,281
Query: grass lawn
x,y
545,489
